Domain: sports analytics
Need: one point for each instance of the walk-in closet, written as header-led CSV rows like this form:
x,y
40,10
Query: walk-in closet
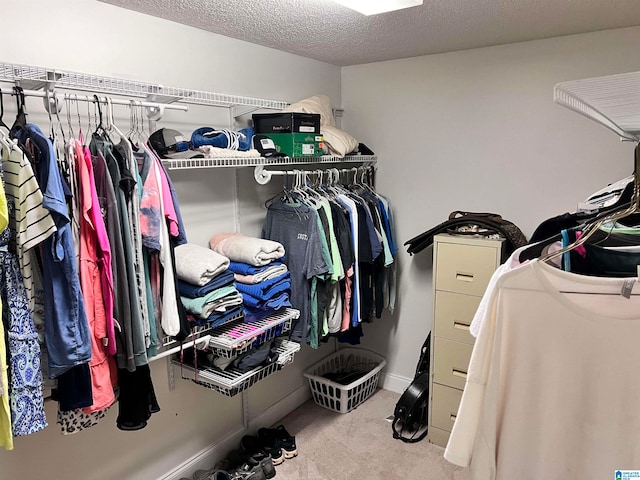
x,y
319,241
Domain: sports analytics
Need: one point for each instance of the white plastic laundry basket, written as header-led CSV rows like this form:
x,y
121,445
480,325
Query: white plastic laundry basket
x,y
344,398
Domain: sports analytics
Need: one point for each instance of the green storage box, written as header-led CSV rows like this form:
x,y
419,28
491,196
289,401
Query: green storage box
x,y
297,144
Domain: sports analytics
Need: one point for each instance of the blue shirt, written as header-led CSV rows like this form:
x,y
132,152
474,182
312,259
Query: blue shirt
x,y
66,328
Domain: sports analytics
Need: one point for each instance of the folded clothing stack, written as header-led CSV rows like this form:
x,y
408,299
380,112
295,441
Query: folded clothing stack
x,y
250,250
207,289
264,289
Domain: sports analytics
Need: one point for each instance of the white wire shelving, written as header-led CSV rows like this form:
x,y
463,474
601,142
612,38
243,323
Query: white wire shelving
x,y
36,78
192,163
235,338
612,101
232,381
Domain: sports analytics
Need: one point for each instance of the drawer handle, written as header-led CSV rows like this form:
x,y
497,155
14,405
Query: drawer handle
x,y
453,417
461,326
464,277
458,373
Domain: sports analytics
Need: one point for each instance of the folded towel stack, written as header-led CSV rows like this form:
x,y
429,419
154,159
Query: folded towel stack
x,y
207,289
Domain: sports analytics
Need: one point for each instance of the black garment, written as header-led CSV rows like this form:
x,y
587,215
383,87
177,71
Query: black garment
x,y
342,230
322,286
260,357
74,388
365,264
553,226
137,399
352,336
604,262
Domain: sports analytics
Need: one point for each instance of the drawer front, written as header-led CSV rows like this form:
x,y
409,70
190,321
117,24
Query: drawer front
x,y
439,437
451,362
444,410
464,268
453,315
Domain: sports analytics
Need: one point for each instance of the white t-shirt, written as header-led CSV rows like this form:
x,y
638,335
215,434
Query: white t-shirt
x,y
552,390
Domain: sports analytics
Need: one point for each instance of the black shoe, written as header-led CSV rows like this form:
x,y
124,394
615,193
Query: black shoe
x,y
279,437
252,444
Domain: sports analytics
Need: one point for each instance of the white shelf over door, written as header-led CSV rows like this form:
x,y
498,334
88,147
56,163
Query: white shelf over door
x,y
612,101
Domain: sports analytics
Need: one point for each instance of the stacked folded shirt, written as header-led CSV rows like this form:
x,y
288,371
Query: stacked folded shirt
x,y
207,289
265,289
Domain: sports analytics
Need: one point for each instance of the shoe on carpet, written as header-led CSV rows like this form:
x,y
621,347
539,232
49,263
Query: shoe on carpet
x,y
245,466
220,475
280,438
253,444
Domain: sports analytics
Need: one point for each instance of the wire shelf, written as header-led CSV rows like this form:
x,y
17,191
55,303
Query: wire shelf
x,y
237,337
183,164
38,77
232,381
612,101
196,332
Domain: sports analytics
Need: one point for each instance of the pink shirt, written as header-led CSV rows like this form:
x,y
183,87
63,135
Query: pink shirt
x,y
91,283
167,199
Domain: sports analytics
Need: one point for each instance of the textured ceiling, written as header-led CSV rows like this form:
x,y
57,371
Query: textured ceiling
x,y
329,32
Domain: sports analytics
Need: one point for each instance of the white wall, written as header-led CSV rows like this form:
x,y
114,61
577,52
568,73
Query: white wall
x,y
477,130
92,37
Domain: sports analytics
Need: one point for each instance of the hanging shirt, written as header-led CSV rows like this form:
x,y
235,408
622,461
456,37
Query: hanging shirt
x,y
91,278
296,228
25,388
133,191
122,303
31,223
549,391
350,205
121,186
66,328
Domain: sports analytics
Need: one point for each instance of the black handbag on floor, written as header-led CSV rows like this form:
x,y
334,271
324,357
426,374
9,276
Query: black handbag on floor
x,y
410,417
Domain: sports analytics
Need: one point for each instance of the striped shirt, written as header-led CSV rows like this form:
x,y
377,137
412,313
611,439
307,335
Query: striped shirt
x,y
30,223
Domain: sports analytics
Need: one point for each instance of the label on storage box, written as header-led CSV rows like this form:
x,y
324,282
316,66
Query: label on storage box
x,y
305,129
307,148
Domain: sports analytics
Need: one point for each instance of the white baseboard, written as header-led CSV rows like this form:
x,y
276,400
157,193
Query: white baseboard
x,y
214,453
394,383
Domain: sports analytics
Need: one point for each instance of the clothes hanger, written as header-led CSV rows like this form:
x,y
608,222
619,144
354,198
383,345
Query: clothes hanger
x,y
591,227
21,115
2,124
111,126
100,131
67,101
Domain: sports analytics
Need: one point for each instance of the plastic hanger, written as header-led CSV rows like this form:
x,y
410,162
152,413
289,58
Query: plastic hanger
x,y
591,227
21,116
2,124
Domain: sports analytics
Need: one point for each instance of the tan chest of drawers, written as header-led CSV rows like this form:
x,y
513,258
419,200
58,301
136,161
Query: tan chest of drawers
x,y
462,267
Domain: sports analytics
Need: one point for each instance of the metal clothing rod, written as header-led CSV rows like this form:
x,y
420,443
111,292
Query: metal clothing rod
x,y
115,101
185,345
263,176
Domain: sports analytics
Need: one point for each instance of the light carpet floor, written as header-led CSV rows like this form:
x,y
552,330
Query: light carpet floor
x,y
359,445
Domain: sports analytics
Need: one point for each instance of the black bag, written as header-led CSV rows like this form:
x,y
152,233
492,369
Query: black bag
x,y
410,416
483,223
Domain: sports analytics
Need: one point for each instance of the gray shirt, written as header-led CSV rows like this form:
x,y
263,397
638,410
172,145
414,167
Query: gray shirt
x,y
296,228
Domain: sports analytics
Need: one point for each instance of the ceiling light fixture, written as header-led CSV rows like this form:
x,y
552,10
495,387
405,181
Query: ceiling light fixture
x,y
373,7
